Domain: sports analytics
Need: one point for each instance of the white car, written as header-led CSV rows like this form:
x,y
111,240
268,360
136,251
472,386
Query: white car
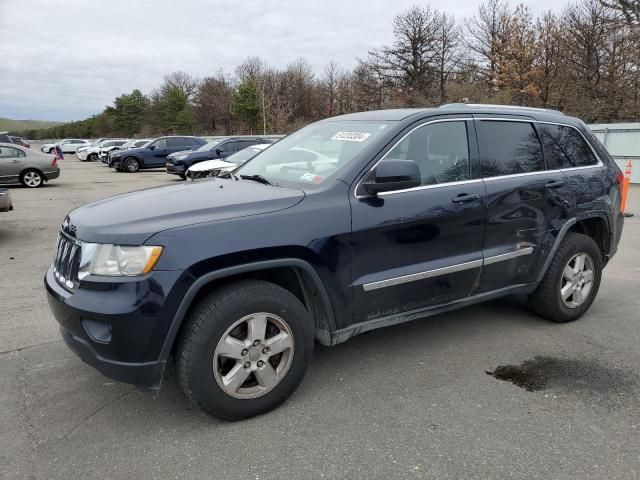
x,y
213,168
69,145
93,153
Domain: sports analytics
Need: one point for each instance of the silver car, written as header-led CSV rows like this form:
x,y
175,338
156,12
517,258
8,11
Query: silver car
x,y
20,164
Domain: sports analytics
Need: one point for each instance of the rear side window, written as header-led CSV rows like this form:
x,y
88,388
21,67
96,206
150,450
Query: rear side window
x,y
441,151
9,152
565,147
508,148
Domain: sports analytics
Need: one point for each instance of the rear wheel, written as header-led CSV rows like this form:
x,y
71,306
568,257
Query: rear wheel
x,y
31,178
572,281
131,165
244,350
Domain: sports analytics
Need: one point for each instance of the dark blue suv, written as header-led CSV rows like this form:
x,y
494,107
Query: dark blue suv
x,y
178,163
350,224
154,154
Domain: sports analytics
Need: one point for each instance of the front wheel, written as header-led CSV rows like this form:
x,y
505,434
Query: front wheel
x,y
244,350
93,157
131,165
571,283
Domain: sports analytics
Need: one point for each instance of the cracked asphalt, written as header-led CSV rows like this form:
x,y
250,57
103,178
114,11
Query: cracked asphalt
x,y
411,401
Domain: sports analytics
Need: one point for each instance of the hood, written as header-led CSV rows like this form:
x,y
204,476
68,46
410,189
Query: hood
x,y
199,155
125,152
131,218
181,152
210,165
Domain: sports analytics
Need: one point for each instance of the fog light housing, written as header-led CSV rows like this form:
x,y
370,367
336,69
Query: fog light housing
x,y
97,331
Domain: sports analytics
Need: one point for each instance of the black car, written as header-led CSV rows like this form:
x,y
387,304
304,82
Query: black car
x,y
154,154
20,141
350,224
178,163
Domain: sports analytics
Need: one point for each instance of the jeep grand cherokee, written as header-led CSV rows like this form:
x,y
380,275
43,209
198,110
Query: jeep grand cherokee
x,y
350,224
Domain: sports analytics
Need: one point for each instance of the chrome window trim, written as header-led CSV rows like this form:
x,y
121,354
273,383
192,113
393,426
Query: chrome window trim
x,y
481,118
521,250
431,122
545,122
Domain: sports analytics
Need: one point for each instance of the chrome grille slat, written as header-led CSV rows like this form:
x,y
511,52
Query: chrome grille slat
x,y
66,261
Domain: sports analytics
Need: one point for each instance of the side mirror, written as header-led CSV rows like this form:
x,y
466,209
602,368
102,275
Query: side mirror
x,y
219,151
393,174
152,147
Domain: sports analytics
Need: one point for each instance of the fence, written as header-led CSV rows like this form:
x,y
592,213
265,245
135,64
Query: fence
x,y
623,143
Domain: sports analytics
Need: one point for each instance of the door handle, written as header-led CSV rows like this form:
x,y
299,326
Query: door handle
x,y
465,198
15,161
555,184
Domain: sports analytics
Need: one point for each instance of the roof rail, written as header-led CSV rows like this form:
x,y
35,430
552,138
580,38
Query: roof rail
x,y
505,107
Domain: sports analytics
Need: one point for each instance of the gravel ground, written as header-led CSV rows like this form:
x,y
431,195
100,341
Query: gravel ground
x,y
411,401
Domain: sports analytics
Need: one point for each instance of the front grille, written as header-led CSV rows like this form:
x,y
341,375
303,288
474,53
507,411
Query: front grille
x,y
66,261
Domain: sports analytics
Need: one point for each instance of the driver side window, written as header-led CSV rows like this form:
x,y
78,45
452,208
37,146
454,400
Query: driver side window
x,y
441,150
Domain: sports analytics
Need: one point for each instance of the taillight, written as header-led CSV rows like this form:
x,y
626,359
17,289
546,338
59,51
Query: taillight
x,y
620,178
54,161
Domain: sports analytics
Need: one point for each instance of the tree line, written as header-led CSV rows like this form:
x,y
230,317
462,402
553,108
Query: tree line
x,y
584,61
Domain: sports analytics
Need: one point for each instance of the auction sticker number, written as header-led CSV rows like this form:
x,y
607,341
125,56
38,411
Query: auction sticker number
x,y
351,136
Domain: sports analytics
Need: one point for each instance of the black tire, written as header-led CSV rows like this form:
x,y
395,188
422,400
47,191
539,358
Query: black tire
x,y
182,176
93,157
546,300
32,178
130,165
51,150
210,319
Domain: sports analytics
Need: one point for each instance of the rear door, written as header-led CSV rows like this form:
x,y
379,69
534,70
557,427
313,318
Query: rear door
x,y
420,247
11,164
526,202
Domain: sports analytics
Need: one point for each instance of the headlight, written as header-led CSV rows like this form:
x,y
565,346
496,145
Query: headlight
x,y
117,260
181,157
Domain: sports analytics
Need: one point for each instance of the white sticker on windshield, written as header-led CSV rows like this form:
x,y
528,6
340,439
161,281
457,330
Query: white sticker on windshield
x,y
351,136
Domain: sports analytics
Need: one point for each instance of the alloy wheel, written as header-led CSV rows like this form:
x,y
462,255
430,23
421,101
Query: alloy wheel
x,y
577,280
253,355
32,179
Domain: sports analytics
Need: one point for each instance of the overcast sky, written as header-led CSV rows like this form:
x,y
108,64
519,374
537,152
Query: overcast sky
x,y
68,59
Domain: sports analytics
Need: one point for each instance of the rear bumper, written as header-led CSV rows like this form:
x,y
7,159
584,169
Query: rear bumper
x,y
52,175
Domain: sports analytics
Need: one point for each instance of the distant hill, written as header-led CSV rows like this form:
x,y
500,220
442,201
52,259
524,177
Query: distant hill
x,y
20,125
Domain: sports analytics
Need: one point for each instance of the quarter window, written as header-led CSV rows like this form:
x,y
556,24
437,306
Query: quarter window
x,y
440,149
508,148
565,147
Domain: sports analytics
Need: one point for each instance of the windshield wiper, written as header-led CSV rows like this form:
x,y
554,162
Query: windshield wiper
x,y
257,178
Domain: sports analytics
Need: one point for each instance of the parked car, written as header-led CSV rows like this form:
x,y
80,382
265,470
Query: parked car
x,y
68,145
91,154
131,144
5,200
214,168
154,154
178,163
20,164
20,141
5,138
421,211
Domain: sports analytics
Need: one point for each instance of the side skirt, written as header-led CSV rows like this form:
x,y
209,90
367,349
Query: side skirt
x,y
344,334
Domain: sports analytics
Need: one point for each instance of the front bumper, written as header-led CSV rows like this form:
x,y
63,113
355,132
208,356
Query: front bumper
x,y
136,313
175,169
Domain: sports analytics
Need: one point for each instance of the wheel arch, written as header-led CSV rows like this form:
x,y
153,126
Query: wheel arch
x,y
592,224
295,275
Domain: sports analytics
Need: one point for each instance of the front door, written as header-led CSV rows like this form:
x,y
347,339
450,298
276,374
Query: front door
x,y
527,204
420,247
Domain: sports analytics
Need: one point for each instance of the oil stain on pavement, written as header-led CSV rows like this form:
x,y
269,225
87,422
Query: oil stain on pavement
x,y
574,375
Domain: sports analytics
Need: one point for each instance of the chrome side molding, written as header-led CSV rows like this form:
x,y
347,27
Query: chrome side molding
x,y
524,248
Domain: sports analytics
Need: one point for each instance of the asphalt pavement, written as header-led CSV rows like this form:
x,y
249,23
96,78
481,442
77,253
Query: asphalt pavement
x,y
490,391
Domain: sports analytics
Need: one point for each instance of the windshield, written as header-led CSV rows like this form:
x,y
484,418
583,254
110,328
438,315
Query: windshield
x,y
209,146
312,155
243,155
